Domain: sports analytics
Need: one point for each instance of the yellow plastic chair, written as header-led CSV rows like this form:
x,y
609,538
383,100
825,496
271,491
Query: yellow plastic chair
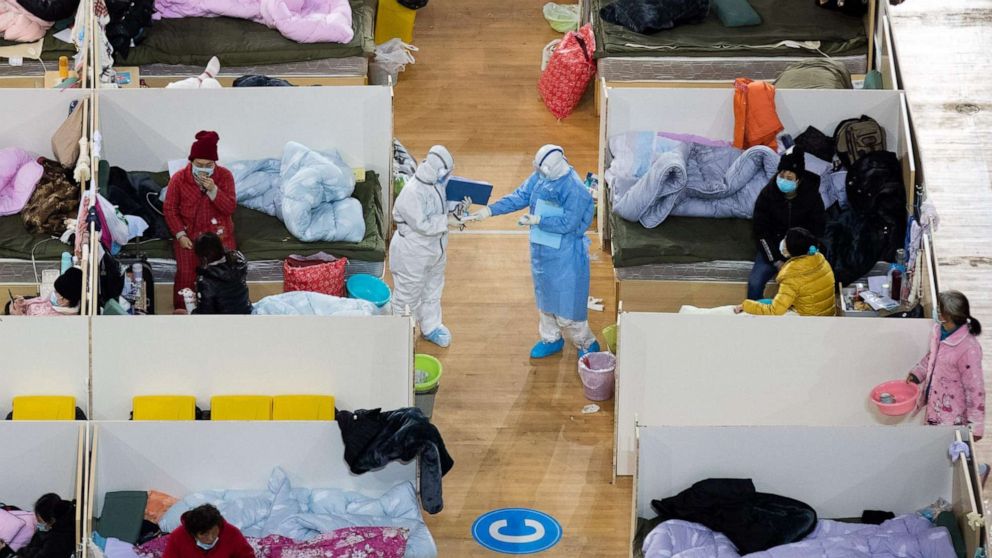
x,y
241,407
164,407
303,407
44,407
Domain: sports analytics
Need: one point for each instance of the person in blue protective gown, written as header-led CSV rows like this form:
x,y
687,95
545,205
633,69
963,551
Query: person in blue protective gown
x,y
560,210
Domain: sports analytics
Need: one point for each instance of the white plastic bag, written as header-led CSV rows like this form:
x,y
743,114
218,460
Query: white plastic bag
x,y
562,17
391,58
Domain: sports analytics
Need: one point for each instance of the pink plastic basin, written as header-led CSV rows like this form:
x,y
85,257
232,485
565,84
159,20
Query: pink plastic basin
x,y
904,393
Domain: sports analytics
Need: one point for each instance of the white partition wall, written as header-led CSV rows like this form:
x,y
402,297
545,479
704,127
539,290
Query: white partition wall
x,y
144,129
710,113
839,471
179,458
38,458
365,362
699,370
44,356
31,116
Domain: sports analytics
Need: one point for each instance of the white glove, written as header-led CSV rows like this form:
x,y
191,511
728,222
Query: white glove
x,y
529,220
481,214
454,222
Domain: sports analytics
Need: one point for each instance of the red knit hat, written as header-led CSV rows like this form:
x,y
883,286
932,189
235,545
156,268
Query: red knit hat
x,y
205,146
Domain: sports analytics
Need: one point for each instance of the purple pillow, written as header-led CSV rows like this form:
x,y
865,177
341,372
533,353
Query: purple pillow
x,y
10,529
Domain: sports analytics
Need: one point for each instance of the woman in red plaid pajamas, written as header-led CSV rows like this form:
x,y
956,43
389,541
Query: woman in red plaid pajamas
x,y
200,199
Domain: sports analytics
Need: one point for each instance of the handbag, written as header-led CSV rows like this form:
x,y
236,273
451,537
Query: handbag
x,y
319,273
569,70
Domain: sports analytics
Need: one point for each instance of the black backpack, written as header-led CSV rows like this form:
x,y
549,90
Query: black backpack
x,y
856,137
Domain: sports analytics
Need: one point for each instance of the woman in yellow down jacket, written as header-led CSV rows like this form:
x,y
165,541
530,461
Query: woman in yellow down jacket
x,y
805,280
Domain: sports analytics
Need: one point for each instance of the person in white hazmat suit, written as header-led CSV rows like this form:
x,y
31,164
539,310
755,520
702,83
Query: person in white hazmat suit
x,y
418,251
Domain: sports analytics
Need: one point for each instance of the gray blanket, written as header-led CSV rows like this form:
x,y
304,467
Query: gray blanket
x,y
696,180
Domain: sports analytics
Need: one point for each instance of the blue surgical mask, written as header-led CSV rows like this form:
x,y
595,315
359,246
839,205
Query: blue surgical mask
x,y
206,546
54,299
786,186
205,171
43,527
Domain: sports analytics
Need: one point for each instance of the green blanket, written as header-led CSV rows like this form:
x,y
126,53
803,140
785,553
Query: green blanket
x,y
52,48
796,20
681,240
237,42
259,236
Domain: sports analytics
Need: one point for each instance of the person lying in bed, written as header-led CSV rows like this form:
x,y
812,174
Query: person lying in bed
x,y
64,300
221,279
205,534
805,281
54,533
200,199
791,199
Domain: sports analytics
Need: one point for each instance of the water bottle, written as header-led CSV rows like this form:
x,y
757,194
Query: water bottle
x,y
896,273
140,302
66,262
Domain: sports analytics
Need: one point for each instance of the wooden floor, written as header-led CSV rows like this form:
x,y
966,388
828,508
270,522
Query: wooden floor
x,y
944,51
514,426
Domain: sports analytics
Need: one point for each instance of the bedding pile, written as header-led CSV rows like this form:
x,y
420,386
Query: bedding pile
x,y
26,21
303,21
656,175
305,303
903,537
307,190
282,521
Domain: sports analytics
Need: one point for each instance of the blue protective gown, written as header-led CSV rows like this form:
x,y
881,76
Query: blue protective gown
x,y
561,276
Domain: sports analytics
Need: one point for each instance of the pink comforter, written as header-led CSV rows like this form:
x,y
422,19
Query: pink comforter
x,y
18,24
303,21
19,175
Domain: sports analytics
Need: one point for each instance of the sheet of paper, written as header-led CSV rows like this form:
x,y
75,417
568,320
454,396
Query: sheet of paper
x,y
64,35
876,282
538,236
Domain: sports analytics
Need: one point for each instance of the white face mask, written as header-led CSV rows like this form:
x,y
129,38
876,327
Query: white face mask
x,y
206,546
782,249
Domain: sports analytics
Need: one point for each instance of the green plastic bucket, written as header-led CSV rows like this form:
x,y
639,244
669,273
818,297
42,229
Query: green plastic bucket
x,y
610,335
426,390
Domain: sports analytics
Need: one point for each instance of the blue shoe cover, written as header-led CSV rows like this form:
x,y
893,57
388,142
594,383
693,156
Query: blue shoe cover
x,y
440,337
542,349
594,348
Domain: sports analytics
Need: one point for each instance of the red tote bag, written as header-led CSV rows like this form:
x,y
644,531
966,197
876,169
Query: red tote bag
x,y
569,72
319,273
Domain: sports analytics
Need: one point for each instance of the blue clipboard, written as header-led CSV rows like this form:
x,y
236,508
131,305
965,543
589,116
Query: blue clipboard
x,y
545,208
459,188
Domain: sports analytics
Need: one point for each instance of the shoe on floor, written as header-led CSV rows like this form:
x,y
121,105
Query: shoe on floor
x,y
594,348
543,349
440,337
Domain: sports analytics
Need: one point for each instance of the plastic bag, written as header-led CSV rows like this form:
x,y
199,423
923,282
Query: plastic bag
x,y
391,58
319,273
562,17
569,72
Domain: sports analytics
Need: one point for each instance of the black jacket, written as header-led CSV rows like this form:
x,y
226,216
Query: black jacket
x,y
373,438
59,542
774,214
753,521
222,288
50,10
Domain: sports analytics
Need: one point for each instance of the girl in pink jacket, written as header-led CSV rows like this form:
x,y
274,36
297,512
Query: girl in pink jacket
x,y
951,373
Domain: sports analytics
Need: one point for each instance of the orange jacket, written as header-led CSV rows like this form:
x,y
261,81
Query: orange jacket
x,y
755,119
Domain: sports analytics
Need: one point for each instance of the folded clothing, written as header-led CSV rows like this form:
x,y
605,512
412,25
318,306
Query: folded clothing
x,y
650,16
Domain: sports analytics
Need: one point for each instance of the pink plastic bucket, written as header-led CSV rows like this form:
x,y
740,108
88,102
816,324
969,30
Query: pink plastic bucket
x,y
596,371
904,393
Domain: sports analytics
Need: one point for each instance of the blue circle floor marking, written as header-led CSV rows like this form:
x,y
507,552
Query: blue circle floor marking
x,y
516,531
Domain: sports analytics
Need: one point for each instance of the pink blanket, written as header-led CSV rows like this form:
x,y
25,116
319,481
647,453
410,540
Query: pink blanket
x,y
18,24
19,175
303,21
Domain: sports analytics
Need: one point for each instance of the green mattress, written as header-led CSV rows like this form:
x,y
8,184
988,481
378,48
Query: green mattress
x,y
237,42
681,240
51,49
260,236
796,20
